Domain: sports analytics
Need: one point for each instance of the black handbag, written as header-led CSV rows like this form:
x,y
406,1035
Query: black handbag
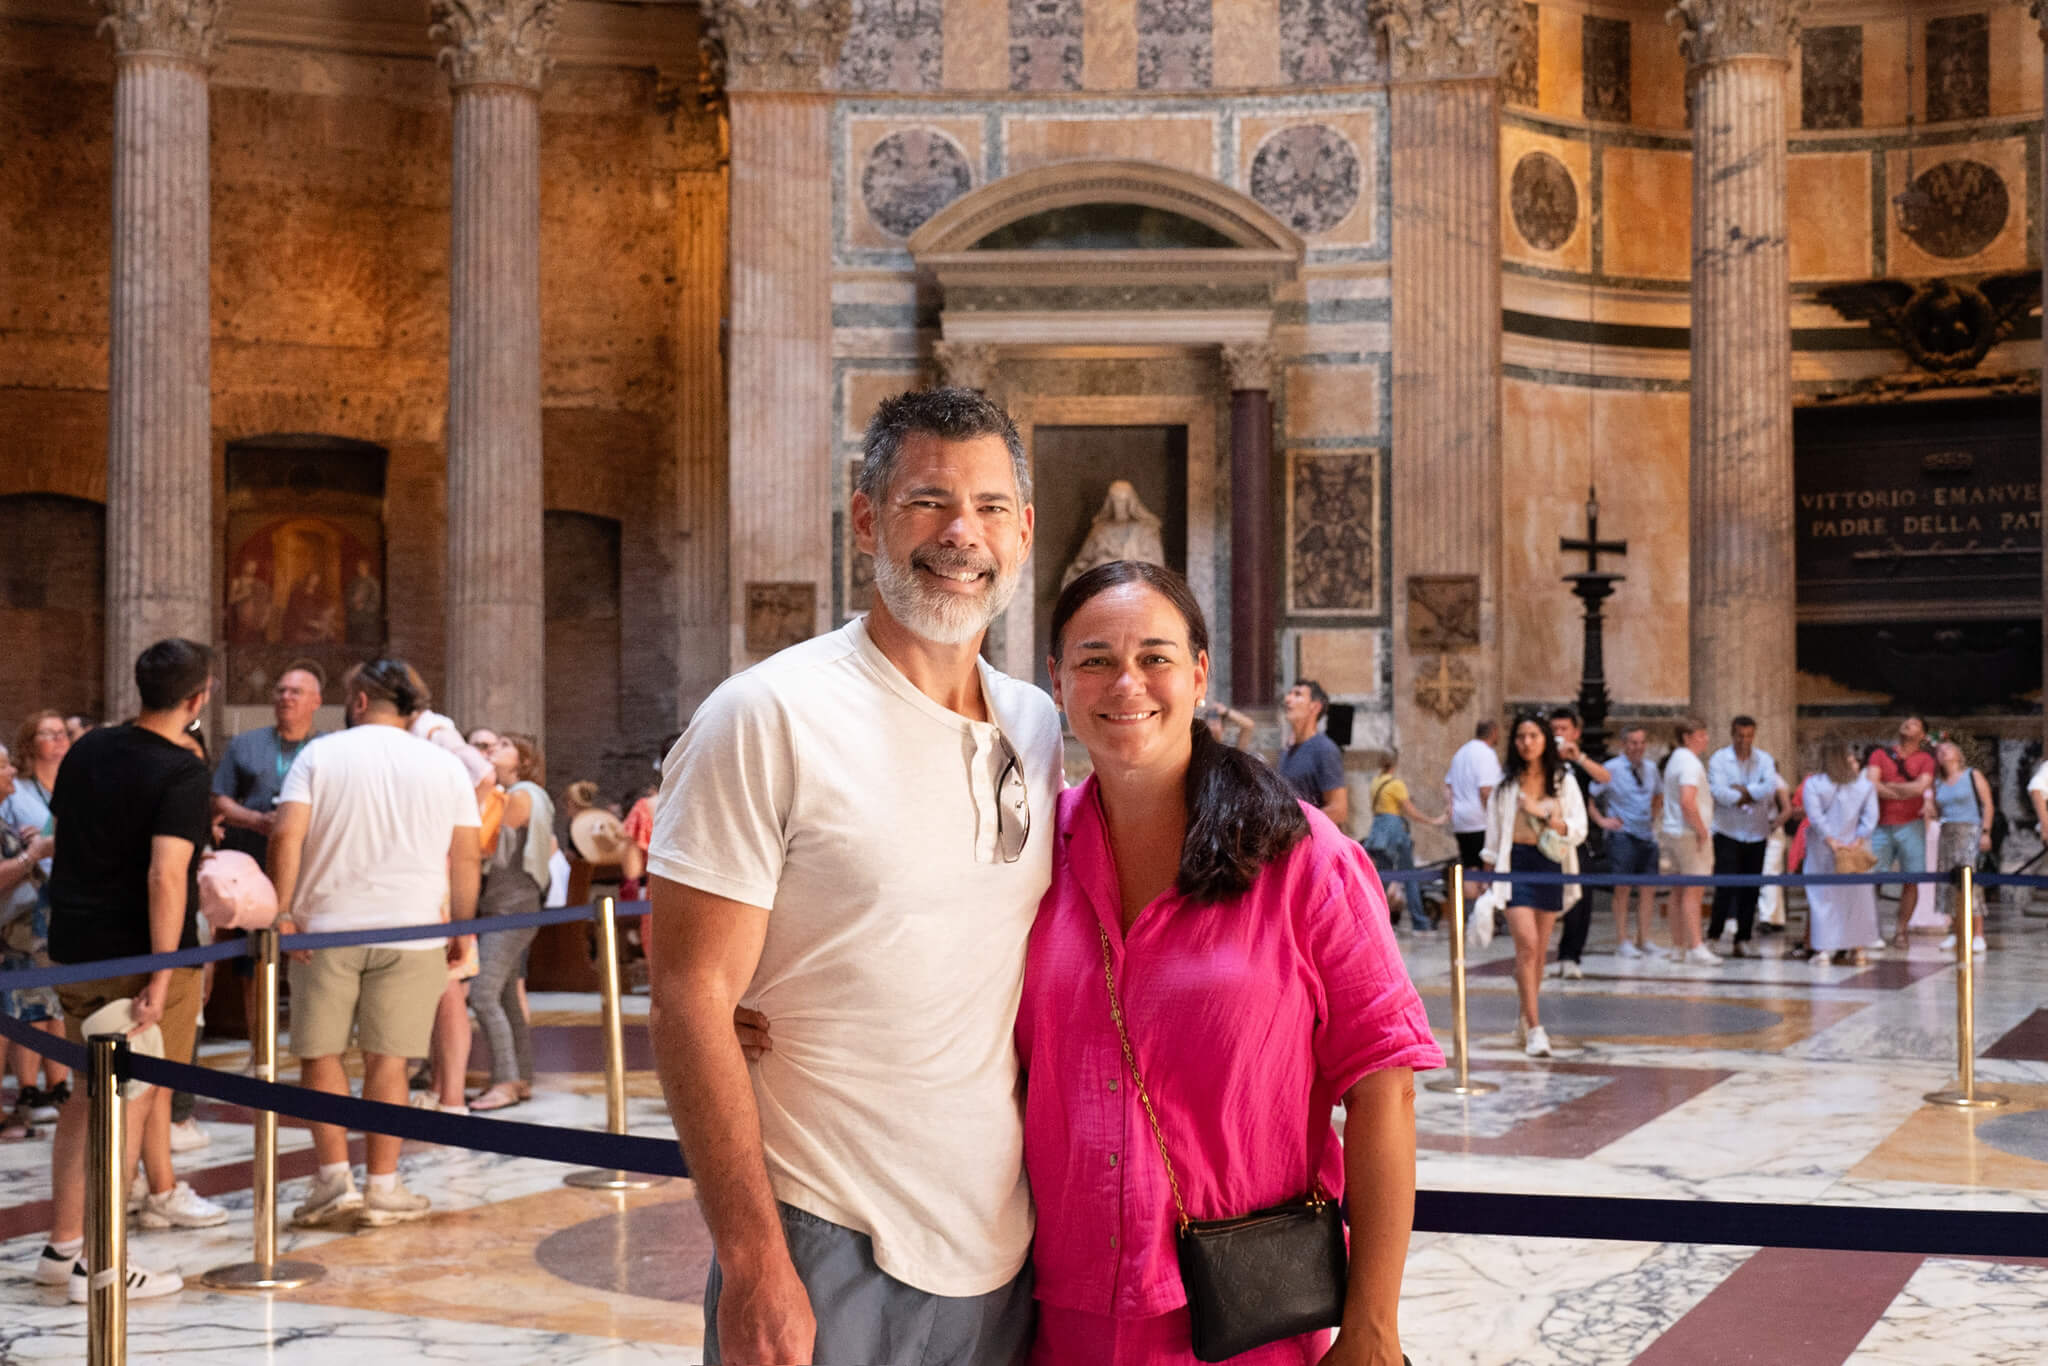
x,y
1260,1277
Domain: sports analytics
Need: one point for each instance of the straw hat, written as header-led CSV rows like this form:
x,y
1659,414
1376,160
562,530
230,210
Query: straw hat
x,y
597,835
118,1017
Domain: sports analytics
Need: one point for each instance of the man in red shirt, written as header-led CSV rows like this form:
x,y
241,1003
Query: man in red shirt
x,y
1903,776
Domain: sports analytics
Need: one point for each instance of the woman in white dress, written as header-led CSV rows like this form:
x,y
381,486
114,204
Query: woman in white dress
x,y
1841,805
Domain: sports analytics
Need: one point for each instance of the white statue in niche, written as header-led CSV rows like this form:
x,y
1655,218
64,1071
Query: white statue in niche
x,y
1125,529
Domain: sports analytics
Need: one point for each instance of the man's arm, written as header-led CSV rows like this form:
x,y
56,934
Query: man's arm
x,y
170,859
704,954
1724,780
231,812
1337,805
1689,804
465,872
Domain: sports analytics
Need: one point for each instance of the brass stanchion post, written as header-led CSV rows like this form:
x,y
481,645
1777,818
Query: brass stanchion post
x,y
106,1206
1966,1096
264,1271
601,1178
1461,1036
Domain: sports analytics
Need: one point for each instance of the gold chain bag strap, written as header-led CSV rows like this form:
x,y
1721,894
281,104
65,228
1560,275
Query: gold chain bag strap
x,y
1260,1277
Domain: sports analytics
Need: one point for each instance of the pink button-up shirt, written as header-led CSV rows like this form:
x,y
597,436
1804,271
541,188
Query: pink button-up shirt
x,y
1250,1020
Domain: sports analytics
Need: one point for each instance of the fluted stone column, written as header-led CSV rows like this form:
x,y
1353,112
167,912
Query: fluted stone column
x,y
1743,601
495,54
778,54
704,598
1444,120
159,399
1254,627
2039,9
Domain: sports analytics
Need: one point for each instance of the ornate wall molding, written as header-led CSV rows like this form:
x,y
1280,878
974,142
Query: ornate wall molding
x,y
495,42
1715,30
778,44
184,29
1431,39
1248,365
965,365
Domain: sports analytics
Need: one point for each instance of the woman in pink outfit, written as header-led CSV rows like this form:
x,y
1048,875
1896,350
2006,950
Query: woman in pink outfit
x,y
1260,987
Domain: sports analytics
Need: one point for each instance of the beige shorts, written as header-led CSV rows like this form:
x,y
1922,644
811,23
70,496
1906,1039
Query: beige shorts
x,y
386,997
180,1024
1691,856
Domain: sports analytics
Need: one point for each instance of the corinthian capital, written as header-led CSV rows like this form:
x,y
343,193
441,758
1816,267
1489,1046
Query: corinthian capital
x,y
1434,38
965,365
778,44
494,42
185,29
1248,365
1715,30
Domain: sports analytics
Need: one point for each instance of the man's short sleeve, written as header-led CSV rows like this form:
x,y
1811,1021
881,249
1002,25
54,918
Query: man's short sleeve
x,y
298,783
2039,782
227,779
186,811
1329,762
1489,767
726,791
462,809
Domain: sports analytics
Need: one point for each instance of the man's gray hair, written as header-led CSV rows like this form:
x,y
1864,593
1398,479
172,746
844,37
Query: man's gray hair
x,y
949,414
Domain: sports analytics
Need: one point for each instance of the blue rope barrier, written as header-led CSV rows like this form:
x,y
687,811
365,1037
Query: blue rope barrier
x,y
67,973
486,924
1707,879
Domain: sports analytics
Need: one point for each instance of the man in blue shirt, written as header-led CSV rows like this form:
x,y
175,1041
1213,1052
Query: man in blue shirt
x,y
1744,783
1310,760
1633,794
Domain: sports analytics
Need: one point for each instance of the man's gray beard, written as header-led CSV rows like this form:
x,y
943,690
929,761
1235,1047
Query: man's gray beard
x,y
934,614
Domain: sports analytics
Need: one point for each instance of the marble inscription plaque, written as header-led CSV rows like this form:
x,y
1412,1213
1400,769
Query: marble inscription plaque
x,y
1308,176
1326,40
1963,208
1544,201
1603,57
780,615
1958,67
1174,44
1831,77
1518,79
894,45
1045,44
910,176
1333,557
1443,611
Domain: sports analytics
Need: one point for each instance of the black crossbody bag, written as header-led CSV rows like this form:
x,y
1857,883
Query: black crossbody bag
x,y
1260,1277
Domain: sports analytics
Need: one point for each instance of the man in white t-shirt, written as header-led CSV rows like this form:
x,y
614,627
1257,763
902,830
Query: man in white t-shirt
x,y
852,838
376,830
1689,837
1468,787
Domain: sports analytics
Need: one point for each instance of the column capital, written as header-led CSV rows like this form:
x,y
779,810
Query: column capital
x,y
1715,30
1429,39
1248,365
778,44
494,42
184,29
966,365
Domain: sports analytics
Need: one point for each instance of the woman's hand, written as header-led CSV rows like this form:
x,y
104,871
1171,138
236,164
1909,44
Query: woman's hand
x,y
43,846
752,1028
1984,842
1354,1349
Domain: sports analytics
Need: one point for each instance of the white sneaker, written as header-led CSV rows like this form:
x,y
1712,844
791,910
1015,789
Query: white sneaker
x,y
138,1190
329,1203
1977,944
395,1206
143,1284
180,1207
53,1267
1628,949
1538,1045
1702,956
189,1136
1570,970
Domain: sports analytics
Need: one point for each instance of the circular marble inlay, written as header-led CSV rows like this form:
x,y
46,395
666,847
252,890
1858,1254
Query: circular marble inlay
x,y
1574,1016
910,176
658,1252
2021,1135
1961,207
1544,201
1307,176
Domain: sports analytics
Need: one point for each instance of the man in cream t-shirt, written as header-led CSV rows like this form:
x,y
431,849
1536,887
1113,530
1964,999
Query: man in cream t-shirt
x,y
853,838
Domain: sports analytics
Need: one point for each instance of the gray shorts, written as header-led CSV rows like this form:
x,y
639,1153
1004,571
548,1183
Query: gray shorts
x,y
866,1317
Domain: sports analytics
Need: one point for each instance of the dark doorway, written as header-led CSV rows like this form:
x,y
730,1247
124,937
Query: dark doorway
x,y
1072,469
52,606
1919,551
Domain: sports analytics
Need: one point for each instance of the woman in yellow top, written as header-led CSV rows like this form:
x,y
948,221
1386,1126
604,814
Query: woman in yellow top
x,y
1389,842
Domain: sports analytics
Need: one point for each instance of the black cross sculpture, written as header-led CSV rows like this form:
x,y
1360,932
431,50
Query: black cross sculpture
x,y
1593,585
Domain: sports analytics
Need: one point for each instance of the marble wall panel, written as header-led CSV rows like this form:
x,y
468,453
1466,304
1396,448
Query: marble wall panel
x,y
1346,663
1831,77
1977,209
1245,55
977,45
899,174
2016,74
894,45
1333,401
1603,68
1518,82
1656,78
1545,196
1175,44
1045,44
1558,82
1332,533
1958,67
1884,72
862,391
1646,222
1329,41
1828,198
1186,141
1318,175
1109,44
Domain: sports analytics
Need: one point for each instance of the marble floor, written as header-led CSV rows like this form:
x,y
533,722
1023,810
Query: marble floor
x,y
1760,1080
